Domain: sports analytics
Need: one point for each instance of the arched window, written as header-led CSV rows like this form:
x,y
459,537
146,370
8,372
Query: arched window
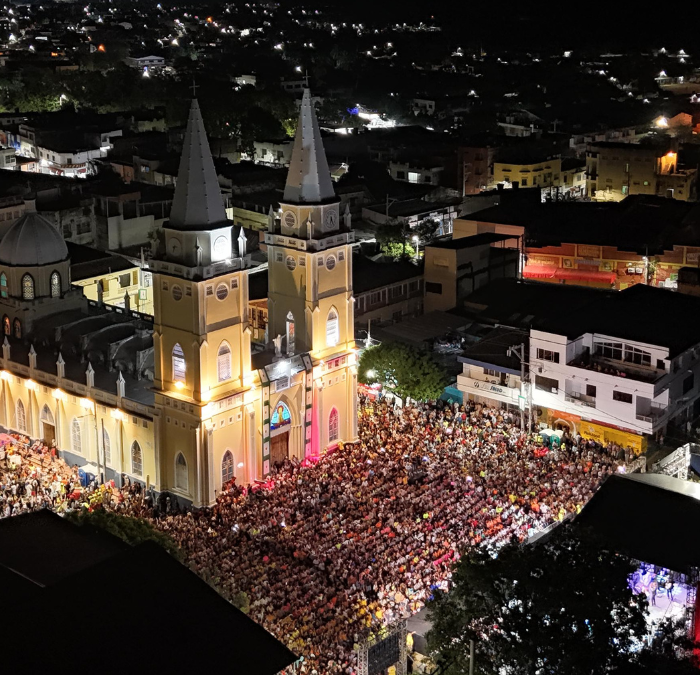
x,y
181,477
227,467
6,325
55,285
224,362
76,437
333,420
3,285
27,287
21,417
46,415
290,334
179,368
17,328
332,328
136,459
221,248
107,446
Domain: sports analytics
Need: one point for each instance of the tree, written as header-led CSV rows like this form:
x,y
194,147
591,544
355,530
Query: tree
x,y
560,606
132,530
404,370
397,250
393,238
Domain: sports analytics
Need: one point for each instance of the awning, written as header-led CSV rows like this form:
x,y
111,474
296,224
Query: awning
x,y
551,272
539,271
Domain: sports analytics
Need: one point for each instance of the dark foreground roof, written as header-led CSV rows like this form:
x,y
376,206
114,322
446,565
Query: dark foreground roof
x,y
136,606
648,517
46,548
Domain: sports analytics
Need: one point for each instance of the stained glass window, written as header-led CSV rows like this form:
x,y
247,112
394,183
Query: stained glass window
x,y
281,417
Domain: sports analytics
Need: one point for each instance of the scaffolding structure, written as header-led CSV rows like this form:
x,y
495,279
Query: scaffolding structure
x,y
372,653
678,462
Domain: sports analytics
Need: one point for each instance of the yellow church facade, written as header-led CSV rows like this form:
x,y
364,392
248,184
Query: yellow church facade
x,y
215,411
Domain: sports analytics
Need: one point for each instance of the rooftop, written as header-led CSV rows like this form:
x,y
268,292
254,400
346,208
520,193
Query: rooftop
x,y
410,207
640,223
653,316
87,262
482,239
627,508
492,349
518,303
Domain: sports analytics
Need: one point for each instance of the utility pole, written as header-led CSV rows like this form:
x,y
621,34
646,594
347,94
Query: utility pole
x,y
471,657
519,351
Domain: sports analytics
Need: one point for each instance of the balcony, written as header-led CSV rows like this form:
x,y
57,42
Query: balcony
x,y
653,414
616,368
580,399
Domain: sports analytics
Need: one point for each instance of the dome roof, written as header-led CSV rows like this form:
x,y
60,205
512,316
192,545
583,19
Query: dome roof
x,y
32,241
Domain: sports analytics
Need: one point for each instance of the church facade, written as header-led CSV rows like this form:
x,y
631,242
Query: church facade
x,y
215,410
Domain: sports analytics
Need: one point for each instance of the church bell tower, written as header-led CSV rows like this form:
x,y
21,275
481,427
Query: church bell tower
x,y
310,300
201,334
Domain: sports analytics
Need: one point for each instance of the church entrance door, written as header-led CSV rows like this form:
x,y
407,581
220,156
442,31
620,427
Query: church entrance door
x,y
279,447
49,434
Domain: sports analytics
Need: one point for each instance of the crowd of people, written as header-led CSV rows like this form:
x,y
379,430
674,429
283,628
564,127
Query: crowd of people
x,y
327,551
34,477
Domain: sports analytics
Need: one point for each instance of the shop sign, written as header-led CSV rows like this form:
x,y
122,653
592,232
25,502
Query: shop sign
x,y
484,387
588,251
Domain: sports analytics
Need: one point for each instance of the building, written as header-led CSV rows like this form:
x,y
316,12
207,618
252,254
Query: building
x,y
412,212
386,292
111,279
525,170
275,153
642,239
145,62
457,268
491,371
476,163
615,170
425,173
176,401
8,159
594,367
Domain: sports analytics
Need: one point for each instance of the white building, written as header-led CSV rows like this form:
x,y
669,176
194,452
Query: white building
x,y
413,173
276,153
617,369
145,62
490,375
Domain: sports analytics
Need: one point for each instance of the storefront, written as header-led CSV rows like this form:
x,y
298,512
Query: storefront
x,y
604,435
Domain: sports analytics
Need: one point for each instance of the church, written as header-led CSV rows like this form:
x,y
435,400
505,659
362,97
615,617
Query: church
x,y
211,410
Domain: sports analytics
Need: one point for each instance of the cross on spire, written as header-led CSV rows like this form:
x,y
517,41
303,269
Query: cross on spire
x,y
194,88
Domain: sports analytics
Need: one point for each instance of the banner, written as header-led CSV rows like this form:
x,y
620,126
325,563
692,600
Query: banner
x,y
604,435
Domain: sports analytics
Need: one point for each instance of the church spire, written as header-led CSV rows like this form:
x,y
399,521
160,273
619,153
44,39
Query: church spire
x,y
309,178
197,204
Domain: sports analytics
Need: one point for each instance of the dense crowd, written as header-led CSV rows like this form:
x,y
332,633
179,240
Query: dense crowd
x,y
33,477
326,551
